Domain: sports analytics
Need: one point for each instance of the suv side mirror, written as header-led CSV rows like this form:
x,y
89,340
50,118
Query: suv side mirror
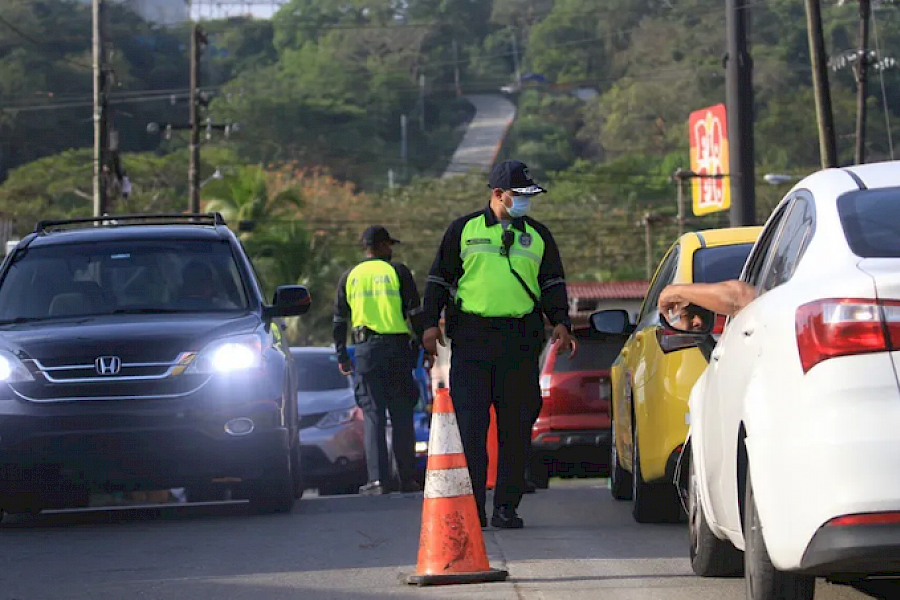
x,y
615,322
289,301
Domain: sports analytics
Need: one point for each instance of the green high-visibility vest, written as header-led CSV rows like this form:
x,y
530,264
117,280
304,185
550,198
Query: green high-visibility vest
x,y
487,287
373,294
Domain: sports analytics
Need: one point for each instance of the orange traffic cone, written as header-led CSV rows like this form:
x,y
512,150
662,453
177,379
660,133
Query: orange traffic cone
x,y
451,545
492,451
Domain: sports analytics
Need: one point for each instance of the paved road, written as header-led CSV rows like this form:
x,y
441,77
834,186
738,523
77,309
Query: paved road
x,y
484,135
579,543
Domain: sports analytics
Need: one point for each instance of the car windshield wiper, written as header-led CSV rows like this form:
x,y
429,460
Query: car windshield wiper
x,y
18,320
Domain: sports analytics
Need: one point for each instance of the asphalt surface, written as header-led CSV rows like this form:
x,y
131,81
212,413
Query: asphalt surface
x,y
578,543
484,135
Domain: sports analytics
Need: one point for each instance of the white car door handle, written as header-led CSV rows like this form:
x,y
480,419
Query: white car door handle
x,y
717,354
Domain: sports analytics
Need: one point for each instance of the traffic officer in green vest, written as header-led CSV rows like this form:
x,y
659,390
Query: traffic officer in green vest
x,y
497,272
374,299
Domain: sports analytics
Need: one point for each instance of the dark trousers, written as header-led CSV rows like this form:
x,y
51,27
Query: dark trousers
x,y
385,384
495,361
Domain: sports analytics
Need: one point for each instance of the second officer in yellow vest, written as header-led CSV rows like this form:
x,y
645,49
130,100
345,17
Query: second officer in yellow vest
x,y
497,272
374,299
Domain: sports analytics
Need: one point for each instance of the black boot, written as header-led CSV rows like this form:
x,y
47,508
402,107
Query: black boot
x,y
506,518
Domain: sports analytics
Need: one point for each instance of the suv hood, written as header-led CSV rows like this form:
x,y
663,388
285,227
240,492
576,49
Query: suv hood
x,y
132,338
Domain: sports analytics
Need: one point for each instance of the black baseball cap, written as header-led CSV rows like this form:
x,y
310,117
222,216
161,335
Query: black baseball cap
x,y
513,175
376,234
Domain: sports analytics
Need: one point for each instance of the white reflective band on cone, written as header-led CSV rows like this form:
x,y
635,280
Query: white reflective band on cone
x,y
444,437
448,483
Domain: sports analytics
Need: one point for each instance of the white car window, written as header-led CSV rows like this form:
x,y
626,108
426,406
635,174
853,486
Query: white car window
x,y
791,244
756,264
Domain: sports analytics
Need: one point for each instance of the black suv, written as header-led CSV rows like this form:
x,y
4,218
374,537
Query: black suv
x,y
138,353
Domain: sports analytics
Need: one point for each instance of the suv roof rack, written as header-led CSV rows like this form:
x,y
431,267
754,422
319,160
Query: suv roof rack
x,y
214,219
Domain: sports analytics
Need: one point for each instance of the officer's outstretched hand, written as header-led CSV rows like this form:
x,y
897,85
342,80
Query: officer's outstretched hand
x,y
566,341
346,368
431,338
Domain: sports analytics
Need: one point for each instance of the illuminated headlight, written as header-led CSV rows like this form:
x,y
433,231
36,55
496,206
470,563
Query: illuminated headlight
x,y
12,369
339,417
421,447
229,355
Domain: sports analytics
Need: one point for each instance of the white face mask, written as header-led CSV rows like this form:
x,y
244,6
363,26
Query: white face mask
x,y
520,206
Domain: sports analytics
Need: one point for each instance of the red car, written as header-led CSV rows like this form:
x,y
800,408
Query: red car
x,y
573,426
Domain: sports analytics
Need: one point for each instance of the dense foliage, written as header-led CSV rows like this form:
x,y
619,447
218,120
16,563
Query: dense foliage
x,y
319,91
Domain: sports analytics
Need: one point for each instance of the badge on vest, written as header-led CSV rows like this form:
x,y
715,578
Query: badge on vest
x,y
525,240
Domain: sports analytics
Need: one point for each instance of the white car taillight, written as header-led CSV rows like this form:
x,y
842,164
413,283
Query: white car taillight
x,y
545,386
844,326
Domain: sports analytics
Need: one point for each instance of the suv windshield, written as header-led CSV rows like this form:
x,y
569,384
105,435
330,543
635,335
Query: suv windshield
x,y
592,355
720,263
61,281
871,221
318,372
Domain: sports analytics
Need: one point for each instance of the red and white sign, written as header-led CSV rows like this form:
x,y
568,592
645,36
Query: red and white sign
x,y
709,157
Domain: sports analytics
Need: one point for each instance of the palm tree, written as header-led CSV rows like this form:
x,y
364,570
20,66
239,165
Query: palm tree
x,y
245,197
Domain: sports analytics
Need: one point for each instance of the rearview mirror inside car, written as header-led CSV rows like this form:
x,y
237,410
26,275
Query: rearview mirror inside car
x,y
692,319
289,301
615,322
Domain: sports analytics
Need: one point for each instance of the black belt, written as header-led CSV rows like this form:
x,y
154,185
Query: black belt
x,y
364,334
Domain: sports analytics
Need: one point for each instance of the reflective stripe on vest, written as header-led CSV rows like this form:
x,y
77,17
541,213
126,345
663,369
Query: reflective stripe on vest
x,y
373,294
487,288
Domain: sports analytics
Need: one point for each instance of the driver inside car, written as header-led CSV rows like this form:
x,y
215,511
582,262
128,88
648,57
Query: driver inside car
x,y
725,298
200,288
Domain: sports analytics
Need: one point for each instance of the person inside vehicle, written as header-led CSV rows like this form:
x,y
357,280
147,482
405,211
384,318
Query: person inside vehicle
x,y
199,287
725,298
689,318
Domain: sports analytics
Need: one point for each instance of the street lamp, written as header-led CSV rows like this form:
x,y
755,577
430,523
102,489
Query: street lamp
x,y
779,178
217,174
680,176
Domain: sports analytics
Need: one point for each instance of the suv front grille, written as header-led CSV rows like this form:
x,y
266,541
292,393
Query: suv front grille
x,y
84,373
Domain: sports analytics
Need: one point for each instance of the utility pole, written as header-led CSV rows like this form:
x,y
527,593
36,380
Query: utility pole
x,y
198,41
862,67
679,176
422,101
101,134
515,46
739,100
456,68
403,147
824,116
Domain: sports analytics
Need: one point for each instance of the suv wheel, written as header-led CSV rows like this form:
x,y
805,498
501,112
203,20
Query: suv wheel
x,y
275,493
20,504
619,478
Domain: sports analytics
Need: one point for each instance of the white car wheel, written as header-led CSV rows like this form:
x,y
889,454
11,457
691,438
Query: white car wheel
x,y
763,580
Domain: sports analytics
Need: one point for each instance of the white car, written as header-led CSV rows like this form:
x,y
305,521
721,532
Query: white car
x,y
794,444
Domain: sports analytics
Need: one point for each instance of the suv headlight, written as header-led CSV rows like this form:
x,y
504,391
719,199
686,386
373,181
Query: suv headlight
x,y
229,355
12,369
339,417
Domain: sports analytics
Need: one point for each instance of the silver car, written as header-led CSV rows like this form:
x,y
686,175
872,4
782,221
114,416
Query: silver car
x,y
332,433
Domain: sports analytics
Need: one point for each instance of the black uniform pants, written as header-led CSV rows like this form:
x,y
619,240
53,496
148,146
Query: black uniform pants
x,y
385,384
495,362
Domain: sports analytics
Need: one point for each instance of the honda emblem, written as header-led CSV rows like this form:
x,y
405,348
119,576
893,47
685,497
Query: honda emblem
x,y
108,365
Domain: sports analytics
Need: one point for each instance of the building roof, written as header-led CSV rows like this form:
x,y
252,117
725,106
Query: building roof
x,y
607,290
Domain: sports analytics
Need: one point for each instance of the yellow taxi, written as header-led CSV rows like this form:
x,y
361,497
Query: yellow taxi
x,y
653,375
